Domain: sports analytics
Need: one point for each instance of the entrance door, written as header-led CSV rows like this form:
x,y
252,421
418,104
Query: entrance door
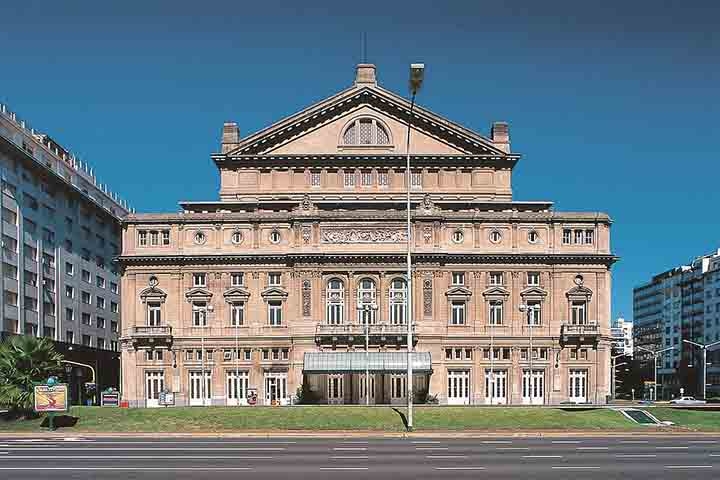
x,y
154,384
361,389
276,388
458,387
496,387
398,388
578,386
533,387
335,391
200,394
237,387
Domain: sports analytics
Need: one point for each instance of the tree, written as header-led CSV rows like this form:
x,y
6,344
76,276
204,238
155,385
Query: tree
x,y
24,362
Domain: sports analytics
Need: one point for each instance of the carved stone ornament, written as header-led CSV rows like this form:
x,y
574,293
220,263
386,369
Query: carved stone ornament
x,y
427,205
427,297
306,298
427,234
364,235
306,233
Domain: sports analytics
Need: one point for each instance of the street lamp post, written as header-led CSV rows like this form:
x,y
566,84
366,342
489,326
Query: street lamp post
x,y
366,307
704,348
417,74
656,354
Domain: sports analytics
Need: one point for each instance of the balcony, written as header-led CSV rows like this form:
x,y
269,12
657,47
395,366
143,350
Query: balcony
x,y
586,333
144,336
353,334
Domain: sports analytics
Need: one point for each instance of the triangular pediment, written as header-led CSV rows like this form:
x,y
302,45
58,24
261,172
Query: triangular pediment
x,y
236,294
496,291
533,292
274,292
153,294
458,291
198,293
580,291
319,129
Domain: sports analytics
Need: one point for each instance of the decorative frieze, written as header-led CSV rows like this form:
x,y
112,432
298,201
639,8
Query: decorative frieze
x,y
307,298
364,235
306,233
427,297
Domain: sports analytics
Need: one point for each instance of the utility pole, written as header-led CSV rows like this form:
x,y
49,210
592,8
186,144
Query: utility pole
x,y
656,354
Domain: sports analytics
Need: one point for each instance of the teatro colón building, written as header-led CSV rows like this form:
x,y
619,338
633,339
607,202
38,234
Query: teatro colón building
x,y
291,285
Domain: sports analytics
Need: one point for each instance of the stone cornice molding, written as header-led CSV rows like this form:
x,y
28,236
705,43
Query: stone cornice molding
x,y
496,292
153,294
236,294
271,293
580,292
458,293
198,294
533,292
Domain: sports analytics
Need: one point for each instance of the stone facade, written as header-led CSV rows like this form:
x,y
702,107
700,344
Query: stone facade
x,y
307,245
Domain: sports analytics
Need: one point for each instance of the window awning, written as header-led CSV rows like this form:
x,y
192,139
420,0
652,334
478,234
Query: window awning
x,y
354,362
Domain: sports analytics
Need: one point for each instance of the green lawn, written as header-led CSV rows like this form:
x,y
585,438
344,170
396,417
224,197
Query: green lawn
x,y
339,418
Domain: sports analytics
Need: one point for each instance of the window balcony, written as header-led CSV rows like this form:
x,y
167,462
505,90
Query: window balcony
x,y
353,334
580,334
145,336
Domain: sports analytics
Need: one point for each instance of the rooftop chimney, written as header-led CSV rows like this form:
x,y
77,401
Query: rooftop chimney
x,y
501,136
230,136
365,74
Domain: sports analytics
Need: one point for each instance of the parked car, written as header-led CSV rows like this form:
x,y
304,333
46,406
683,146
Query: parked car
x,y
687,401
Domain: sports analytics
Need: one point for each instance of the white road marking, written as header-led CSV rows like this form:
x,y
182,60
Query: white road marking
x,y
636,455
542,456
355,443
30,440
687,466
343,468
350,449
77,439
4,453
193,442
592,448
444,457
702,441
459,468
134,469
145,449
420,442
431,448
497,441
566,441
570,467
634,441
512,448
350,457
672,448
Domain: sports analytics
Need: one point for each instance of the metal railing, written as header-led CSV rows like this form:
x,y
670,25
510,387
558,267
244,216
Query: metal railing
x,y
158,331
587,329
359,329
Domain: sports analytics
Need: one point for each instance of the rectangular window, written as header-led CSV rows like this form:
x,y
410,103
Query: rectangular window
x,y
69,268
199,314
349,179
69,336
248,354
237,314
383,179
100,302
9,216
496,278
100,322
416,179
458,278
533,279
315,179
99,281
534,313
142,238
113,326
589,237
275,313
86,277
86,298
69,291
114,307
85,318
579,237
69,315
274,279
366,178
154,238
236,279
87,340
199,280
30,277
567,237
31,304
458,312
578,312
166,237
114,288
496,312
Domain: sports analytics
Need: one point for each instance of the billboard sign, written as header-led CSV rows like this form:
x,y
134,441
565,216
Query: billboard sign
x,y
51,398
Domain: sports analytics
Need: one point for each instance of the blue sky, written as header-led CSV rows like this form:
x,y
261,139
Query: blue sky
x,y
614,105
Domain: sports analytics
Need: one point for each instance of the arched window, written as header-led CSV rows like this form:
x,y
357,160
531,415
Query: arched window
x,y
398,295
366,131
335,294
367,306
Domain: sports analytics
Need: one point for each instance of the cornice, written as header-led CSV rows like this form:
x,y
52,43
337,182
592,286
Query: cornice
x,y
420,260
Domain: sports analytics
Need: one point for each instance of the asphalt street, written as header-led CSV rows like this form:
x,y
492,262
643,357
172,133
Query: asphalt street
x,y
628,457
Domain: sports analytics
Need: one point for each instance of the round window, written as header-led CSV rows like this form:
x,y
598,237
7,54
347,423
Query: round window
x,y
275,236
458,236
533,236
495,236
200,238
236,237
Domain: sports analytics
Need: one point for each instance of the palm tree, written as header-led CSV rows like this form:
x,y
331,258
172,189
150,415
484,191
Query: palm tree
x,y
24,362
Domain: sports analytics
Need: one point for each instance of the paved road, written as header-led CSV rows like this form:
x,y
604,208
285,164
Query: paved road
x,y
354,458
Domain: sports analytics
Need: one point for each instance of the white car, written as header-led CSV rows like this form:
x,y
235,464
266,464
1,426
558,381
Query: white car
x,y
687,401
